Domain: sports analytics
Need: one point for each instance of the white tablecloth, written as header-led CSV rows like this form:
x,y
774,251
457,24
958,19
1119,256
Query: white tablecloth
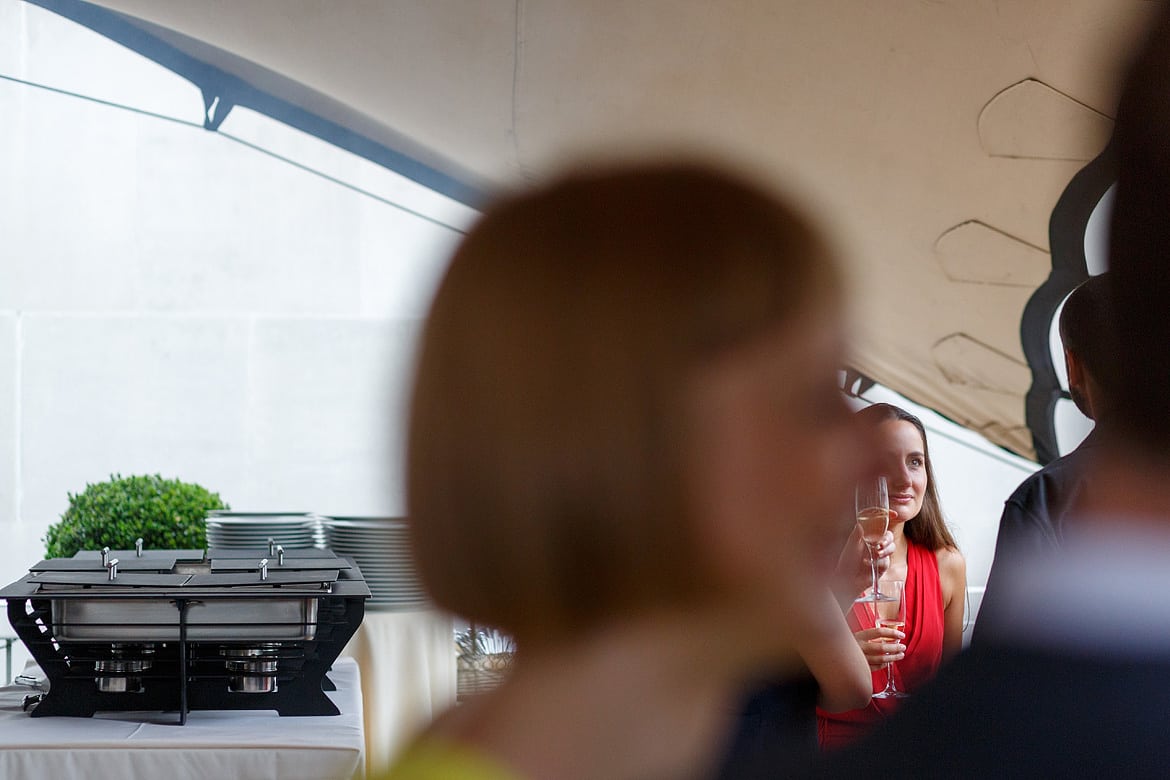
x,y
250,745
408,676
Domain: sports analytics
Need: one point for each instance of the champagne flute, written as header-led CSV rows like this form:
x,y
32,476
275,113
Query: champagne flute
x,y
873,516
892,614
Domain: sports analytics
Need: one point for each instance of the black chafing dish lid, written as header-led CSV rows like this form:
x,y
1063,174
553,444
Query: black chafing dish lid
x,y
290,564
101,579
275,577
95,580
185,556
262,552
157,563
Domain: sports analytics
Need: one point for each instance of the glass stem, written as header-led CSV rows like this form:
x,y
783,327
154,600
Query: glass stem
x,y
873,568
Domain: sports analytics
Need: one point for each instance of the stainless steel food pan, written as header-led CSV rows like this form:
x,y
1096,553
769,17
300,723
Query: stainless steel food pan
x,y
157,620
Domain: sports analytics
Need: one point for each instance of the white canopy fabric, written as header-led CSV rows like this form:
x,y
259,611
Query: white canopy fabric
x,y
932,138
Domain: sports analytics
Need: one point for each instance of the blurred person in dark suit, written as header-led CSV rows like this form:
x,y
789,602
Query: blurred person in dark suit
x,y
1070,679
1034,517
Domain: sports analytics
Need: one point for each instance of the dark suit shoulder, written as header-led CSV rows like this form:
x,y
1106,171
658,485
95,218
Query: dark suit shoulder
x,y
1048,494
1006,712
1062,472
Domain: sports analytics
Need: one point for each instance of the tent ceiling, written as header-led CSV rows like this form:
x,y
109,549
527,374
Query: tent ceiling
x,y
934,138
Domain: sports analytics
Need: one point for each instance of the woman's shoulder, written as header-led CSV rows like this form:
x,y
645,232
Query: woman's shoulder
x,y
952,565
944,555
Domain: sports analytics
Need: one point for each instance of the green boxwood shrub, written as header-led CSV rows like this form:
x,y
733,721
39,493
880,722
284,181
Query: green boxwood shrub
x,y
166,513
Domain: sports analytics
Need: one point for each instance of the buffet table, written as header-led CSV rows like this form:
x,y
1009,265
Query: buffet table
x,y
408,676
220,744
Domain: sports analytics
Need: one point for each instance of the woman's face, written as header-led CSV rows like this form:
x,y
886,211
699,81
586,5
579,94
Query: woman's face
x,y
903,462
774,453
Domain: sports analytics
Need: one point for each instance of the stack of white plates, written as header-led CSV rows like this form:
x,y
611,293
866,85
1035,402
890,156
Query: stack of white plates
x,y
240,530
381,549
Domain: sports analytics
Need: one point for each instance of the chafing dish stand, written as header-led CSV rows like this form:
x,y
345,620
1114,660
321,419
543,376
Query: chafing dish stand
x,y
182,630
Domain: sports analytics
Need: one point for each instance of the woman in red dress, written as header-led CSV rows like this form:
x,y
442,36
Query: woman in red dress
x,y
926,558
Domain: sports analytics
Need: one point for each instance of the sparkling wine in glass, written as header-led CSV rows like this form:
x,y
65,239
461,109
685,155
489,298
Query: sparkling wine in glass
x,y
873,516
892,614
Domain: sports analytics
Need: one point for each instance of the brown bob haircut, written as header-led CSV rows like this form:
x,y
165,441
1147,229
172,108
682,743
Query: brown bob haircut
x,y
544,468
928,528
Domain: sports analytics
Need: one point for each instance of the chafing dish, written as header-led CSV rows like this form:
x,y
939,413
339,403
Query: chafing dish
x,y
187,629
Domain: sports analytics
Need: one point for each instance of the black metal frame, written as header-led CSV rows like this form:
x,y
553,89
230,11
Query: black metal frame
x,y
188,675
1066,237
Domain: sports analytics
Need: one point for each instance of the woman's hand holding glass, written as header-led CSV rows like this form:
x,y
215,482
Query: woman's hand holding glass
x,y
881,646
890,615
880,557
854,573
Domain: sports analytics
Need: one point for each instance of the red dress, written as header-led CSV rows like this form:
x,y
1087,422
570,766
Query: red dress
x,y
924,643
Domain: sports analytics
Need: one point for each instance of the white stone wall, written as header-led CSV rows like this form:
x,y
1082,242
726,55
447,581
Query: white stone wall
x,y
173,301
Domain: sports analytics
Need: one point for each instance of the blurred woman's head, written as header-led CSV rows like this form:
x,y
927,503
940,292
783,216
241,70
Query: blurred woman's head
x,y
904,458
592,357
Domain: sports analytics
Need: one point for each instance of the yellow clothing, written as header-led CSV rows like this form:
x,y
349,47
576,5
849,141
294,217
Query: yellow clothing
x,y
437,760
